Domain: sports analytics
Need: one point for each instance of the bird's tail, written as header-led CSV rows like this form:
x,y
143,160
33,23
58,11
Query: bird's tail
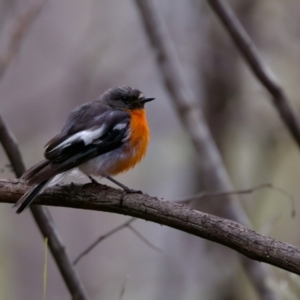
x,y
30,195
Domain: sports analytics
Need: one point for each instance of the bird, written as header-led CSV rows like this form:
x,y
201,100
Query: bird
x,y
102,138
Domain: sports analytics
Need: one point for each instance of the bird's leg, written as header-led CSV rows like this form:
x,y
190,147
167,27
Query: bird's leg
x,y
94,181
124,187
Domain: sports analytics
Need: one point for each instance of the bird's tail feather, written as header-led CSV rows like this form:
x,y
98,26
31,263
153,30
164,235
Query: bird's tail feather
x,y
33,175
29,196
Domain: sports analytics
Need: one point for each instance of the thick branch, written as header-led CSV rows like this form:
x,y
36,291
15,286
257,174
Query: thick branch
x,y
216,229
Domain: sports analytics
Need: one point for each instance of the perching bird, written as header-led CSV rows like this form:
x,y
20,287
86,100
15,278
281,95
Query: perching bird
x,y
100,138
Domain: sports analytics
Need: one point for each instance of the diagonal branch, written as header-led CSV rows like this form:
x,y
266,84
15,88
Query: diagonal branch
x,y
252,57
10,145
44,220
194,121
223,231
11,148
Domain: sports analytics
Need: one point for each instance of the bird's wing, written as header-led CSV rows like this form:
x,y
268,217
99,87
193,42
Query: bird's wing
x,y
68,151
87,116
85,125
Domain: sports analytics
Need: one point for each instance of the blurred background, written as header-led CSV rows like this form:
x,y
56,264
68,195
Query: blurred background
x,y
74,51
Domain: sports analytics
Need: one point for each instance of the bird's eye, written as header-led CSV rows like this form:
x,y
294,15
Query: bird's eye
x,y
124,98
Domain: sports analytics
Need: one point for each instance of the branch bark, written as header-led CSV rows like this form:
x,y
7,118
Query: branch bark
x,y
223,231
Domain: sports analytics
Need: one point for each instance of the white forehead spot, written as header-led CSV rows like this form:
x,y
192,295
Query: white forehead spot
x,y
141,95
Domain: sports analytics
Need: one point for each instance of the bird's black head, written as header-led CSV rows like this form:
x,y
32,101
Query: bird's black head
x,y
124,98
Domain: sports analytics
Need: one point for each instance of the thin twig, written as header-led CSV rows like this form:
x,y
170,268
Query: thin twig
x,y
101,238
203,195
223,231
252,57
153,247
192,118
123,289
10,145
126,224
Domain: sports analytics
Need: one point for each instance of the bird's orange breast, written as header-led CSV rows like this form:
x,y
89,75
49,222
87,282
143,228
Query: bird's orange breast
x,y
137,144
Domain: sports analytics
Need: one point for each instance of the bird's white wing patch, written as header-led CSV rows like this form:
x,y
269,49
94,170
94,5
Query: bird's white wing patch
x,y
120,126
86,135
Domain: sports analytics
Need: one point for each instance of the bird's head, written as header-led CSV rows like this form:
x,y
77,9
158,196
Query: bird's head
x,y
125,97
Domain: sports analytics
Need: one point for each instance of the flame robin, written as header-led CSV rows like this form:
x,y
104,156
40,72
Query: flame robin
x,y
101,138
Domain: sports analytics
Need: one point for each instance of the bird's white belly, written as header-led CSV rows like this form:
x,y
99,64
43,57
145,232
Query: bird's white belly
x,y
101,164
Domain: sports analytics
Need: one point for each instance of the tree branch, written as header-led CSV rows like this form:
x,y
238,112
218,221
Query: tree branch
x,y
226,232
252,57
11,148
194,121
44,220
10,145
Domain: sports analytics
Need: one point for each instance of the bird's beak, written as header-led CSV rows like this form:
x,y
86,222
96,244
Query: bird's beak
x,y
144,100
